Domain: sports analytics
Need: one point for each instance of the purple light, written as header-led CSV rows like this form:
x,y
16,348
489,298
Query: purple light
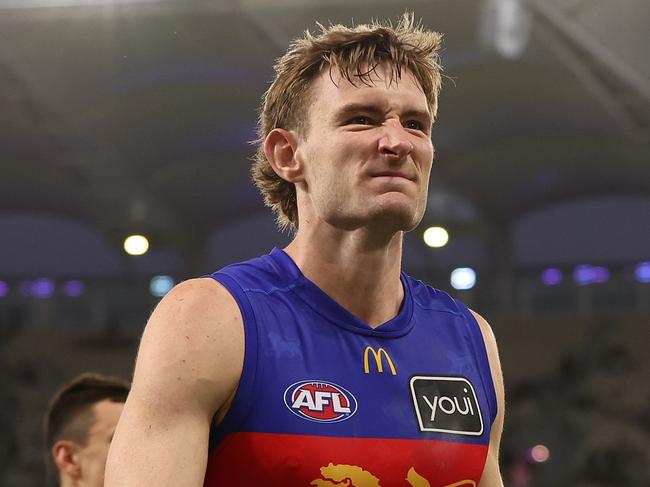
x,y
73,288
642,272
552,276
600,274
25,288
587,274
583,275
4,289
43,288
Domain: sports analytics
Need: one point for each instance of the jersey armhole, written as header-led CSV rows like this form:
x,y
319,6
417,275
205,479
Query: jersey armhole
x,y
480,353
243,400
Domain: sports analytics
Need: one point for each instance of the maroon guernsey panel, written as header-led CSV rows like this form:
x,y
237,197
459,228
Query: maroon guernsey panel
x,y
271,459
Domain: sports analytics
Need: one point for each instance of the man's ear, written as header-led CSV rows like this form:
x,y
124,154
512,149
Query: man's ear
x,y
280,147
64,453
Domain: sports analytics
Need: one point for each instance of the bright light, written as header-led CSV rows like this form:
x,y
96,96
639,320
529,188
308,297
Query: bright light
x,y
43,288
161,285
583,275
4,289
539,454
136,245
552,276
587,274
642,272
436,237
601,274
505,25
463,278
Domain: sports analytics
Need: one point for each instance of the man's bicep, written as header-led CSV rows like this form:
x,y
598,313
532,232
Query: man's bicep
x,y
191,352
188,364
159,448
491,473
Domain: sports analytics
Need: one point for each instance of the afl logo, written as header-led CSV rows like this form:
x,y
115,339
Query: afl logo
x,y
319,401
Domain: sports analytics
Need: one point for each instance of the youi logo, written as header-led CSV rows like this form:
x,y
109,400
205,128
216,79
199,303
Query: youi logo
x,y
446,405
320,401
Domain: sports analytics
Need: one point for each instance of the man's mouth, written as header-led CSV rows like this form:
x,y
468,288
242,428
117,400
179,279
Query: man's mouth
x,y
392,174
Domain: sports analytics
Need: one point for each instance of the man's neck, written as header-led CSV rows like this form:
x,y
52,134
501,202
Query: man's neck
x,y
359,273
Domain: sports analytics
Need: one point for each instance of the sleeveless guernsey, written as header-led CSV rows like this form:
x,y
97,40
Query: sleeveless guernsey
x,y
325,400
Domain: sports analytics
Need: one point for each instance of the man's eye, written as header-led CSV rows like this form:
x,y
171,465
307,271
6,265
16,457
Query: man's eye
x,y
360,120
414,125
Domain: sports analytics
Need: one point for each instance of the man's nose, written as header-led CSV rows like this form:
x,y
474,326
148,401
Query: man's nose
x,y
394,141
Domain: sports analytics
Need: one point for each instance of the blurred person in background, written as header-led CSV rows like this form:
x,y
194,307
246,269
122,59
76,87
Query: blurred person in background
x,y
324,363
78,429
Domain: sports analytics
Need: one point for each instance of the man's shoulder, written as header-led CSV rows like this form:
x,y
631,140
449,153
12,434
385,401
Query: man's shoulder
x,y
193,308
191,353
197,291
266,272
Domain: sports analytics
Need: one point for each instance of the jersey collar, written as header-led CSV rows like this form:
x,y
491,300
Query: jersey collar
x,y
324,305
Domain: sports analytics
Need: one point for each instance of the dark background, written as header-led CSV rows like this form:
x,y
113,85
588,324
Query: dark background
x,y
135,116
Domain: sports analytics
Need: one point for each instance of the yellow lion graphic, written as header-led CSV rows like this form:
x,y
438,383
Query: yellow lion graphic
x,y
353,476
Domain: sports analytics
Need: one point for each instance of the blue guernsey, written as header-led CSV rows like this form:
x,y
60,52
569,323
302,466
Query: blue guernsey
x,y
326,400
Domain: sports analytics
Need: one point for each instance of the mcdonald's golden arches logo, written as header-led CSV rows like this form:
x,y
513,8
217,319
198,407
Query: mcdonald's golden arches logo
x,y
378,355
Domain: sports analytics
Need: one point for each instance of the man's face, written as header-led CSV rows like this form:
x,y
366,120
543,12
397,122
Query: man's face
x,y
367,152
92,456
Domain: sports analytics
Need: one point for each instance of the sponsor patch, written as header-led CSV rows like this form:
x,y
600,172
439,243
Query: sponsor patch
x,y
378,355
446,405
320,401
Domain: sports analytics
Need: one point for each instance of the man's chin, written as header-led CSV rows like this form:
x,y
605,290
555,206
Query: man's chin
x,y
394,218
387,214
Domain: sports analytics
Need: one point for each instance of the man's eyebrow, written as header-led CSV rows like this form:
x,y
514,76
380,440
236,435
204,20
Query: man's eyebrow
x,y
422,115
355,108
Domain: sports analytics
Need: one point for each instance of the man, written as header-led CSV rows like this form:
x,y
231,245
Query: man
x,y
79,426
322,364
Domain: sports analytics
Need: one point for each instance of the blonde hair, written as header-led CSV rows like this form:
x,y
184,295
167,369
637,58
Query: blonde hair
x,y
356,52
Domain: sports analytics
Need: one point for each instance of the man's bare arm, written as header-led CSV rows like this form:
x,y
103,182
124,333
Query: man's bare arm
x,y
491,473
188,367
